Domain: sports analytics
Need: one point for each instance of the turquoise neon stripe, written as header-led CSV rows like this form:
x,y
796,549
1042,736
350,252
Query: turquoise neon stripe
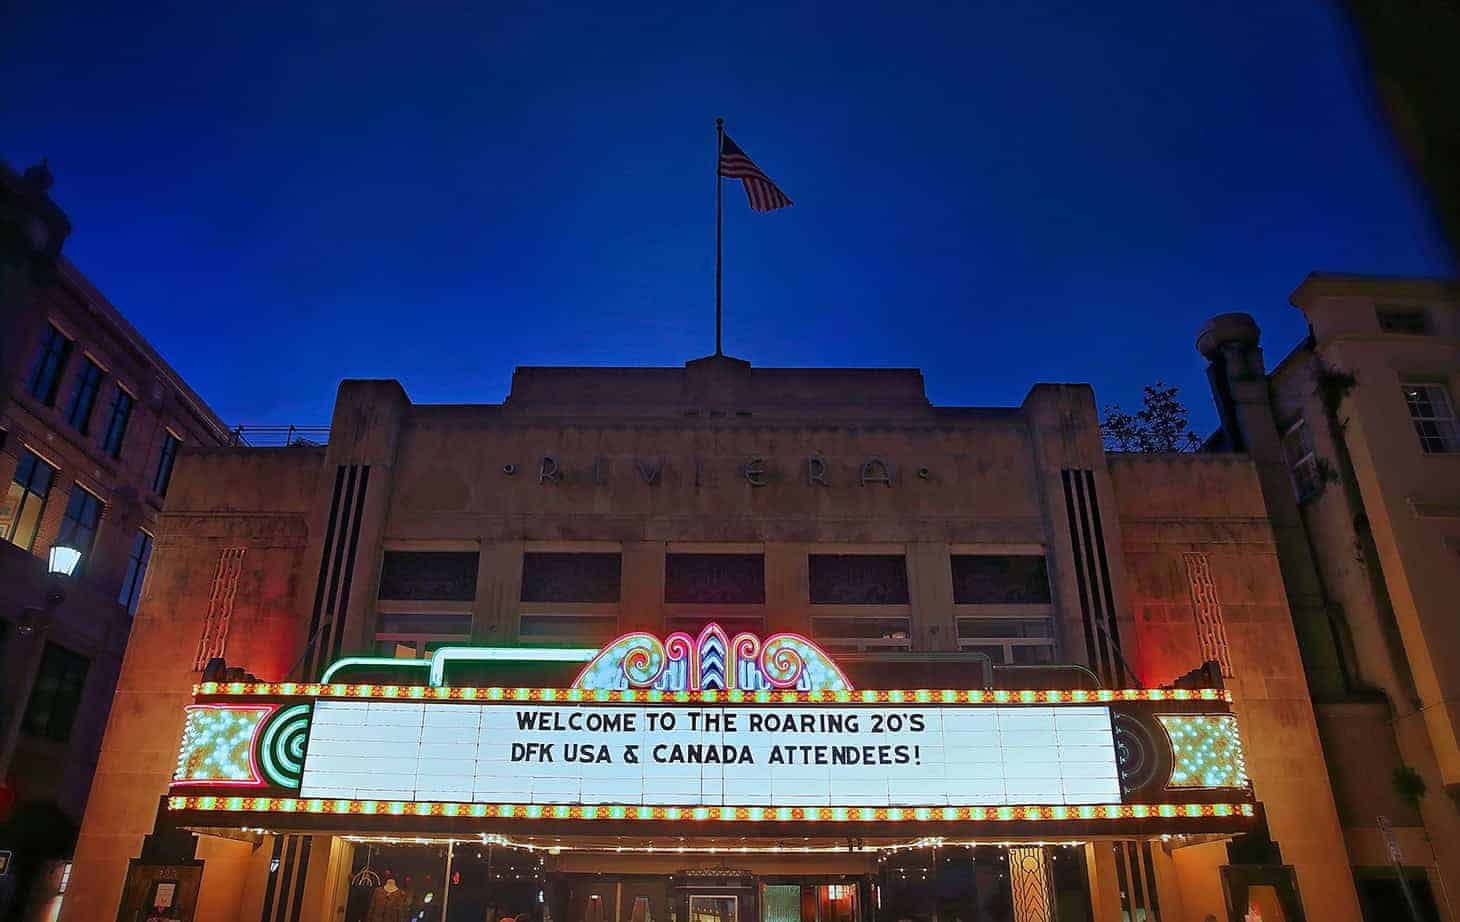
x,y
437,662
506,655
374,661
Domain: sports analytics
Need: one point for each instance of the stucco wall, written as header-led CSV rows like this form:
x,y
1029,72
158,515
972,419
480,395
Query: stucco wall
x,y
1212,504
268,496
977,484
88,623
1355,522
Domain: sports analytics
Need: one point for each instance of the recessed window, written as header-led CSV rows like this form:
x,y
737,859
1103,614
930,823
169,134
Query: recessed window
x,y
78,524
137,560
862,633
590,628
50,362
1433,416
409,635
25,500
1000,579
858,579
1414,321
731,624
444,624
83,398
429,576
1302,462
116,426
56,695
413,649
163,476
716,579
1008,641
566,577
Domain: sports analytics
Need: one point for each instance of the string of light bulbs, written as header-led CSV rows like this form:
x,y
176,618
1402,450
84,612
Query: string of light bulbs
x,y
924,842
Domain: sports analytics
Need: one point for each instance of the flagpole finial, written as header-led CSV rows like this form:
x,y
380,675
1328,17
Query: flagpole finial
x,y
719,122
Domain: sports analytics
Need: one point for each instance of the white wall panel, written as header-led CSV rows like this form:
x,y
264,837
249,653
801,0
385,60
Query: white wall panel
x,y
884,756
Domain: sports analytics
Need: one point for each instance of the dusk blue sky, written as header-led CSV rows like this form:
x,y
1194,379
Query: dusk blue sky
x,y
998,194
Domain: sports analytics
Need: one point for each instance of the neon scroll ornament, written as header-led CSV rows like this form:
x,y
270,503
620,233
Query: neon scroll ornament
x,y
713,660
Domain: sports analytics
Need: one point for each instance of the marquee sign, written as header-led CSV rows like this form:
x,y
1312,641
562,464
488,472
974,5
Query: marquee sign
x,y
711,728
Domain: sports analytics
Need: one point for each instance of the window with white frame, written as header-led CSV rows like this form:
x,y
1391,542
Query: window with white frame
x,y
415,634
591,626
1433,416
1003,606
569,597
1302,462
1008,639
424,601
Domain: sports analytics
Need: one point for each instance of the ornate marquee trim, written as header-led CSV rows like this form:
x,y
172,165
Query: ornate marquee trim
x,y
712,661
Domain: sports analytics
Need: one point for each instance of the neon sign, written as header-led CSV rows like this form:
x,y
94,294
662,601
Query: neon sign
x,y
707,727
713,661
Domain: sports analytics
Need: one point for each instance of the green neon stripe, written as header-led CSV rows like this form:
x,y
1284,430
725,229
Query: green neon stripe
x,y
439,659
375,661
506,655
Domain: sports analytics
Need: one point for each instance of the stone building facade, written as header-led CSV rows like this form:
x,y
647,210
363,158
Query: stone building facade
x,y
90,421
1354,437
918,546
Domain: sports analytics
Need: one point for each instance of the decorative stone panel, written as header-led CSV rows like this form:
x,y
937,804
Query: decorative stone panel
x,y
220,606
1209,625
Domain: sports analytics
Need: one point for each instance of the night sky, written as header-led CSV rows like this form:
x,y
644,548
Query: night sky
x,y
279,197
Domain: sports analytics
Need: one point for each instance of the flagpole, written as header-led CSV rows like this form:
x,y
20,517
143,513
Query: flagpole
x,y
719,145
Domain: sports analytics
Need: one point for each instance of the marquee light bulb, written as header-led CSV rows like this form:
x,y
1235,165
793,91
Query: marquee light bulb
x,y
711,696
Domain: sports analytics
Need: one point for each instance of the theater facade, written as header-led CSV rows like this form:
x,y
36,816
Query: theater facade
x,y
712,644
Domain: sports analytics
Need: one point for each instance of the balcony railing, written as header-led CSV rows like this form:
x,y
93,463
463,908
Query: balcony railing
x,y
278,436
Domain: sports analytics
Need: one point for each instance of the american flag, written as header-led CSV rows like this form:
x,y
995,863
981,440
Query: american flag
x,y
759,190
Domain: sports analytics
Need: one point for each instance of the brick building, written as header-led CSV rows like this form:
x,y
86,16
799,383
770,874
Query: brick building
x,y
91,419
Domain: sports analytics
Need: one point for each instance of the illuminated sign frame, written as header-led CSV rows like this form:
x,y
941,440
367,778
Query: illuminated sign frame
x,y
1178,750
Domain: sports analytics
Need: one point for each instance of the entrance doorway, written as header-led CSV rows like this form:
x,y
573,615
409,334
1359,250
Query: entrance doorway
x,y
714,909
463,880
446,882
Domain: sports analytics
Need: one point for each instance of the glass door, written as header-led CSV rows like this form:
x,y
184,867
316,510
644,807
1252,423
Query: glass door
x,y
714,908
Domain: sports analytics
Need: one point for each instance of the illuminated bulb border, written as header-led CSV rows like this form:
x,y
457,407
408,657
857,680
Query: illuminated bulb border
x,y
605,849
343,807
654,696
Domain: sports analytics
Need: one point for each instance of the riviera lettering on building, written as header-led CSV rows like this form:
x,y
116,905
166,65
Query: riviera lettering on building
x,y
756,470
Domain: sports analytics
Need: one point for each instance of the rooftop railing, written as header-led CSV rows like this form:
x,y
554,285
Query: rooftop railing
x,y
278,436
